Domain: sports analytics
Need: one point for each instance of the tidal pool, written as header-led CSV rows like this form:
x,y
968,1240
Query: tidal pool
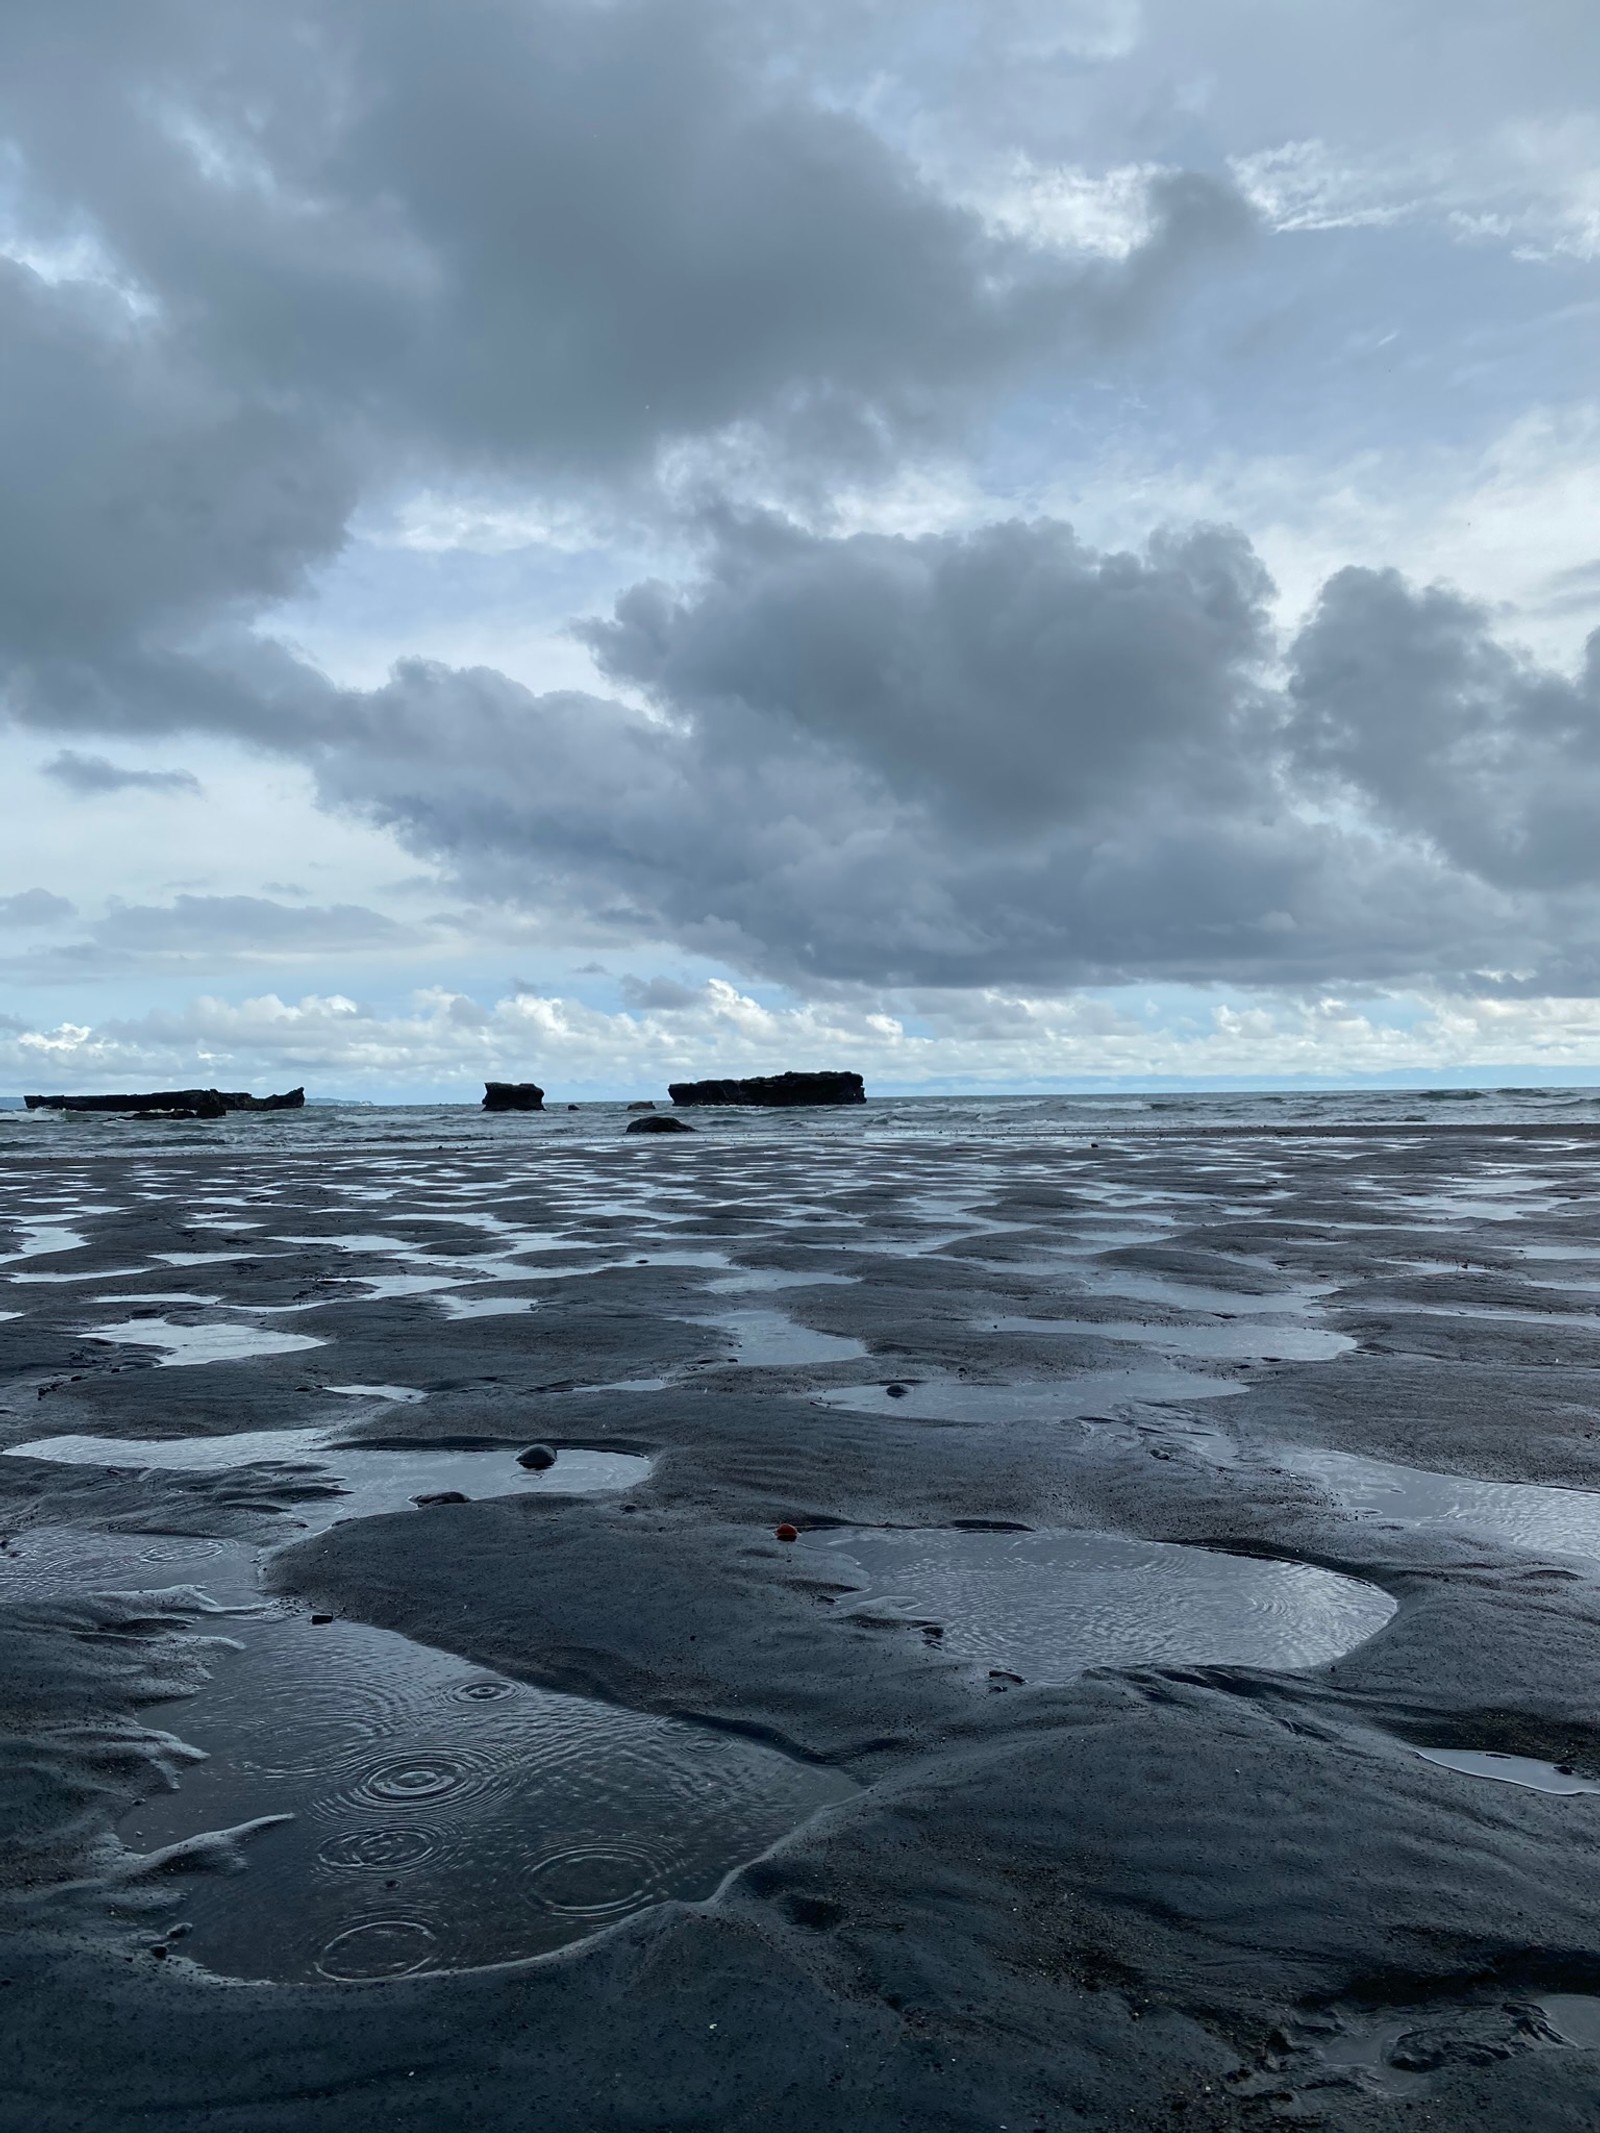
x,y
400,1810
1523,1514
182,1345
443,1816
1083,1395
370,1479
1047,1606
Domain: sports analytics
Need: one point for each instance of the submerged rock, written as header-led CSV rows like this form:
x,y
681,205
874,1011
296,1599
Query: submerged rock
x,y
537,1457
643,1103
513,1096
433,1496
658,1122
773,1091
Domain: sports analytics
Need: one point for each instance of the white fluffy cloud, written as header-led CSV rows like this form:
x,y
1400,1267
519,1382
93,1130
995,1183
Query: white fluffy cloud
x,y
444,1045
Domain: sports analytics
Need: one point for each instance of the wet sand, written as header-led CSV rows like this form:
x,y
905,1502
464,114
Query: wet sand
x,y
1179,1709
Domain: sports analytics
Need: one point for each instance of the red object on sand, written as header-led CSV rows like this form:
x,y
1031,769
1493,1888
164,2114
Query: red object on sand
x,y
788,1533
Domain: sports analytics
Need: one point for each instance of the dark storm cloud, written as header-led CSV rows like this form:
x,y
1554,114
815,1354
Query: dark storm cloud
x,y
289,256
1407,698
959,759
1010,677
1003,756
89,775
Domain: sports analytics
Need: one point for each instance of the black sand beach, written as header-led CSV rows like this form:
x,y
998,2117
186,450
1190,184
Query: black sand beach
x,y
1180,1707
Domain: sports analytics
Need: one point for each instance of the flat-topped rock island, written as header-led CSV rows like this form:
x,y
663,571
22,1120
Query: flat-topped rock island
x,y
772,1092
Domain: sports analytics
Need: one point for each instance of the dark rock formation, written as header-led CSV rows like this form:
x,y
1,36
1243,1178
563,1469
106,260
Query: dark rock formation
x,y
645,1103
174,1103
773,1091
658,1122
537,1458
512,1096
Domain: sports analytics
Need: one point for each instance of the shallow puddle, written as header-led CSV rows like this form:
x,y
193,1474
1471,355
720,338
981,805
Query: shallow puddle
x,y
183,1345
370,1479
411,1812
769,1339
444,1816
1574,2016
1396,2051
39,1239
487,1306
1523,1770
1523,1514
246,1251
1058,1399
1250,1338
378,1392
94,1273
759,1280
1047,1606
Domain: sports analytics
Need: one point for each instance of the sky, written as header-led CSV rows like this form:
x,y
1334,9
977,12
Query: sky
x,y
1001,545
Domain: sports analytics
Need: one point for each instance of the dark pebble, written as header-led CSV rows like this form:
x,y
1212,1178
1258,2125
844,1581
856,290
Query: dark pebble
x,y
537,1457
319,1620
897,1392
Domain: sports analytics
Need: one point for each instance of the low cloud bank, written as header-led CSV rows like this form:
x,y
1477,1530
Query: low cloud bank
x,y
444,1045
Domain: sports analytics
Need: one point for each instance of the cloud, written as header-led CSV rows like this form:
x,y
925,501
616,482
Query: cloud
x,y
242,925
991,757
210,930
90,775
660,996
269,270
996,757
1407,698
447,1044
35,907
262,263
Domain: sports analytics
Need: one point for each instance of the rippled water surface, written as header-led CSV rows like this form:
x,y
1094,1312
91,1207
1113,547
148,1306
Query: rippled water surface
x,y
1523,1514
1048,1606
444,1816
